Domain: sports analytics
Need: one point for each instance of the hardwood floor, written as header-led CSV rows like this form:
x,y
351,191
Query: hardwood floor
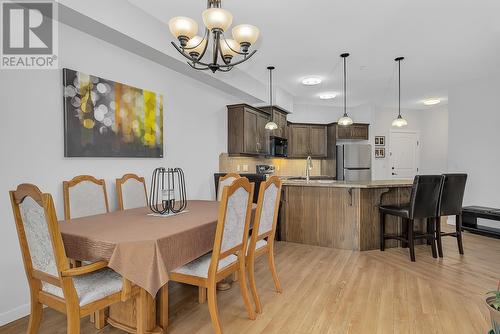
x,y
336,291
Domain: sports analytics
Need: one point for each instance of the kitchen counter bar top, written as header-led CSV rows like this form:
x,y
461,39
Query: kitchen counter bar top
x,y
350,184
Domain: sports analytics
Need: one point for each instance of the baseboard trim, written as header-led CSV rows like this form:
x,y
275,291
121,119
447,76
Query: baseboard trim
x,y
14,314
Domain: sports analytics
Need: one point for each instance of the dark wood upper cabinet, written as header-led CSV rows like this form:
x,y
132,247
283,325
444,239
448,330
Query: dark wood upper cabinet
x,y
298,140
246,130
356,131
318,140
307,140
278,116
247,134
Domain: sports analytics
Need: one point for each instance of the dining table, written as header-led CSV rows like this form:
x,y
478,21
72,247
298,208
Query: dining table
x,y
143,248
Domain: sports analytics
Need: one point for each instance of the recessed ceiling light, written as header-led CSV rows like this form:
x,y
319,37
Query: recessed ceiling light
x,y
311,81
327,96
431,102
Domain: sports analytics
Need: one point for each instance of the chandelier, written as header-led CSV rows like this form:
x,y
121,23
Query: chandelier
x,y
217,21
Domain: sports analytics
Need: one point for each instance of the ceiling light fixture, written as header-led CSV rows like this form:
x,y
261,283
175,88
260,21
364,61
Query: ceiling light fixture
x,y
217,21
431,102
345,120
311,81
399,122
271,125
327,96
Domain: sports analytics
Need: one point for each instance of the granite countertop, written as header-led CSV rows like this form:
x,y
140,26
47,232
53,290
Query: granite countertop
x,y
349,184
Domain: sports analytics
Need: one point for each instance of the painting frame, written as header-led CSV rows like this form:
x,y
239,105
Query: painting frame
x,y
108,119
379,140
380,153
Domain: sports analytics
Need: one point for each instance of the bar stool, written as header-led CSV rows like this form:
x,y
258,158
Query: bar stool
x,y
450,204
423,205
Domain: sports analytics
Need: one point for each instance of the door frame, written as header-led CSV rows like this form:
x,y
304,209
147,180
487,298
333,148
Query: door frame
x,y
417,159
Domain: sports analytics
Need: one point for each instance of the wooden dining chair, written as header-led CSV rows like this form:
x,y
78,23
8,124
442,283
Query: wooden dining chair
x,y
77,292
263,233
228,254
224,181
131,192
84,195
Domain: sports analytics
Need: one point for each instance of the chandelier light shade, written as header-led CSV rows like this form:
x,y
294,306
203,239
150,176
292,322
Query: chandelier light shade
x,y
183,28
345,120
196,45
217,21
245,35
271,125
399,122
228,48
217,18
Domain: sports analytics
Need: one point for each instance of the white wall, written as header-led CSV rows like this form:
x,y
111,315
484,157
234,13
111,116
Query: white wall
x,y
434,140
474,139
31,138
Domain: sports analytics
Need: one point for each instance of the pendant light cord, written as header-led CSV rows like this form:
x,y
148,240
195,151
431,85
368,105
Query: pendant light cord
x,y
271,87
399,88
345,87
399,59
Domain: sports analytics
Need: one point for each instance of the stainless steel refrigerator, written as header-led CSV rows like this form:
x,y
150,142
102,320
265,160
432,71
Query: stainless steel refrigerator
x,y
354,162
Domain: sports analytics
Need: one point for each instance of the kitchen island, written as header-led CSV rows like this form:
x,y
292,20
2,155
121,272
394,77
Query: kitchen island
x,y
340,214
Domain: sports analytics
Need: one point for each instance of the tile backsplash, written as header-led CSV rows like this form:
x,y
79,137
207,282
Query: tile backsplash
x,y
283,167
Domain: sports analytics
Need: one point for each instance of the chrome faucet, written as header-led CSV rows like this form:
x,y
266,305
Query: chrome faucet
x,y
309,167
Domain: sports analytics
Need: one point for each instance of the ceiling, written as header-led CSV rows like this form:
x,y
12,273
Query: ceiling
x,y
444,43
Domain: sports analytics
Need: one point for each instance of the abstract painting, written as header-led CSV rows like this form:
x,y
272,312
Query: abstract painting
x,y
103,118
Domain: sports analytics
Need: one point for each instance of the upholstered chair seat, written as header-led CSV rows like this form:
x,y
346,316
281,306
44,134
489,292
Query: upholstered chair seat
x,y
199,267
259,244
402,211
91,287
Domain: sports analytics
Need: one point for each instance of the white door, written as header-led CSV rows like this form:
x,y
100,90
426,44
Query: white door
x,y
403,155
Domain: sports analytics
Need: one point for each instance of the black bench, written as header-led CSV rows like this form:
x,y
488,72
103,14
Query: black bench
x,y
470,214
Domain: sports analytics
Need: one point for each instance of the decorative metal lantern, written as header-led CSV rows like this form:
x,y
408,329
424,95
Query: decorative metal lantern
x,y
168,191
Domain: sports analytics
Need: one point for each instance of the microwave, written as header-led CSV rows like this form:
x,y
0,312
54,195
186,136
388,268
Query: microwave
x,y
279,147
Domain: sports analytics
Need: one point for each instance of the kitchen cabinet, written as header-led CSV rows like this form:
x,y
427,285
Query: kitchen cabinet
x,y
356,131
318,140
307,140
246,130
278,116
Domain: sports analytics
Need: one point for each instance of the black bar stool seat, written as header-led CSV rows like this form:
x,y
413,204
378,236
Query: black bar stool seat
x,y
423,205
402,211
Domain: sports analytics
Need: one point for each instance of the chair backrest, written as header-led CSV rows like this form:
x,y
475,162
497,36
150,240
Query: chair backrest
x,y
39,237
452,194
266,214
84,195
425,196
233,223
131,192
224,181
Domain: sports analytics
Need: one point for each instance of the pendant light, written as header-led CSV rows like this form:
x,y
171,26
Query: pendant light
x,y
399,122
345,120
271,125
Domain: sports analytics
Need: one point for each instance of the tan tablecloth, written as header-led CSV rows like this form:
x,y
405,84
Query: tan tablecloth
x,y
143,248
